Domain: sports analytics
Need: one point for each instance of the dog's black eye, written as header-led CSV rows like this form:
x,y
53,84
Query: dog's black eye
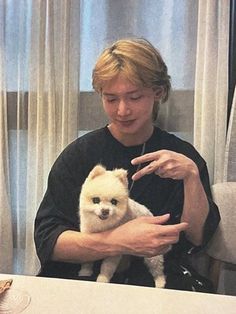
x,y
96,200
114,201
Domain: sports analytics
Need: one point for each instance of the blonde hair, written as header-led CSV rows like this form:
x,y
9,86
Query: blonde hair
x,y
139,61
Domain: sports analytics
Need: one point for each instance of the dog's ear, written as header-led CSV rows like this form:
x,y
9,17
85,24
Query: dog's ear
x,y
96,171
121,174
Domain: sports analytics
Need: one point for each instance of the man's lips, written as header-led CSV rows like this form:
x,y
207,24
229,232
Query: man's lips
x,y
126,123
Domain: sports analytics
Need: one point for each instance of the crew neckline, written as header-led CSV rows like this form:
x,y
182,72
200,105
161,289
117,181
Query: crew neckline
x,y
108,132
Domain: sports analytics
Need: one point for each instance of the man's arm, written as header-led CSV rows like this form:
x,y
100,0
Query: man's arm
x,y
196,206
143,236
169,164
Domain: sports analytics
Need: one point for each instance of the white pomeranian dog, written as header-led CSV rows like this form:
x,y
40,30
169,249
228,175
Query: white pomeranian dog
x,y
105,204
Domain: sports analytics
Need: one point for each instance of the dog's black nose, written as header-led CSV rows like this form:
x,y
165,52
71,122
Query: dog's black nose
x,y
105,212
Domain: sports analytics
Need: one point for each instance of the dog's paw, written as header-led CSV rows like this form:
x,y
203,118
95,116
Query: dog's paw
x,y
102,278
85,272
160,282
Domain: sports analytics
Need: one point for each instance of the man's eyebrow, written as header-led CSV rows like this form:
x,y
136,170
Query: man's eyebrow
x,y
108,94
127,93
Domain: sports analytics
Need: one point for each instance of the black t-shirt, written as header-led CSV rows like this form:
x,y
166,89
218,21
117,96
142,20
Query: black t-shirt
x,y
58,209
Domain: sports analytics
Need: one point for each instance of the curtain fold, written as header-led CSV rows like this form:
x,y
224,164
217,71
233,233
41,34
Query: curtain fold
x,y
6,239
39,101
53,100
211,84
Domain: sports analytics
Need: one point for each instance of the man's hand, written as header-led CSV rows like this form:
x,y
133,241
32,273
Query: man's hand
x,y
166,164
146,236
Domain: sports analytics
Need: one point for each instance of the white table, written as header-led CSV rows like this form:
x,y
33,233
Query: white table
x,y
71,296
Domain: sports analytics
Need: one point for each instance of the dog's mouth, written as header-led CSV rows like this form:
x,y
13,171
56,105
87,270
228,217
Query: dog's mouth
x,y
104,214
103,217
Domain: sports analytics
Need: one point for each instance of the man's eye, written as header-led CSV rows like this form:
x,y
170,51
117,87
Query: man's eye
x,y
136,97
96,200
114,201
111,100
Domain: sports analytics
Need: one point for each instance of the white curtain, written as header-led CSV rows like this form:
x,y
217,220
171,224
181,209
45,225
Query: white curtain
x,y
42,88
211,85
6,244
53,97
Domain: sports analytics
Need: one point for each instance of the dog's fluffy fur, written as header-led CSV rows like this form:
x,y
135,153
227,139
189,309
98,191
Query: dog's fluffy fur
x,y
105,204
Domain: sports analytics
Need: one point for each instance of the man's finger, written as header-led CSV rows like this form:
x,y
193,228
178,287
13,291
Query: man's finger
x,y
160,220
145,158
168,230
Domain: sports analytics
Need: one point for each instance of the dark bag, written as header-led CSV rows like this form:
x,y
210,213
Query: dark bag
x,y
182,276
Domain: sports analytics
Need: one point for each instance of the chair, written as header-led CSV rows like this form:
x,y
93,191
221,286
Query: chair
x,y
222,247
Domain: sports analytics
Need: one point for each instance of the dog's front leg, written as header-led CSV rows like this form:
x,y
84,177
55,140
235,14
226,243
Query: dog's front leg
x,y
108,267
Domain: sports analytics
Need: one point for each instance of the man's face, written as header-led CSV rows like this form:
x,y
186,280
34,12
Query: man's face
x,y
128,107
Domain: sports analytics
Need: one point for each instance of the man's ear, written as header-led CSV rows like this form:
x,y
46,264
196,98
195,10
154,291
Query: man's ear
x,y
159,92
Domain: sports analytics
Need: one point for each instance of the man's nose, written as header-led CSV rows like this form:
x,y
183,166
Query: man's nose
x,y
123,108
